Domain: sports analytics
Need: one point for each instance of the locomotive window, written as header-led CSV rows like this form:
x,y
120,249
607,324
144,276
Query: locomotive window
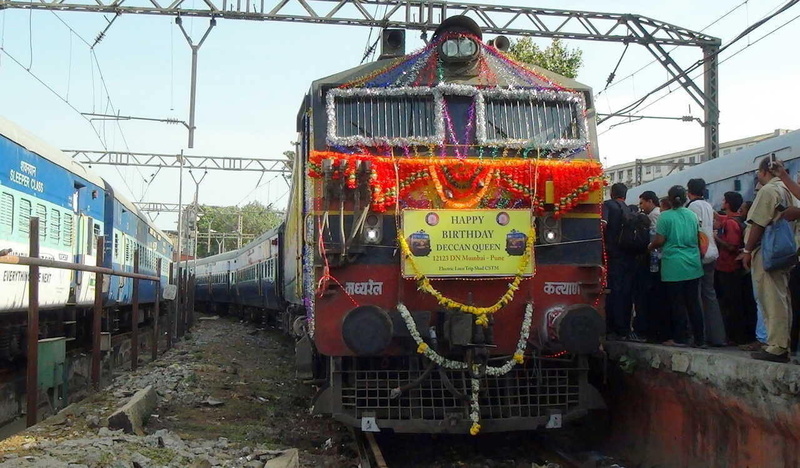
x,y
24,216
41,212
383,117
6,213
531,119
55,225
67,227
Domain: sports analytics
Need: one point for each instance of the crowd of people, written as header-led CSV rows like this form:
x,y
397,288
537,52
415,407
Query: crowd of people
x,y
681,273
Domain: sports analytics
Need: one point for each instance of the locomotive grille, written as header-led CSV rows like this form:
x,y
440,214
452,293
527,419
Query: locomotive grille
x,y
531,119
385,117
525,392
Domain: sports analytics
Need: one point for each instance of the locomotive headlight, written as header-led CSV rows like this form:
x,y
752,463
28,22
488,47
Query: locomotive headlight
x,y
459,49
373,229
550,229
371,235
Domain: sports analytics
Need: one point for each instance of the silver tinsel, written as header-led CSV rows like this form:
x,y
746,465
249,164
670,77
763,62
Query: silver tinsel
x,y
438,92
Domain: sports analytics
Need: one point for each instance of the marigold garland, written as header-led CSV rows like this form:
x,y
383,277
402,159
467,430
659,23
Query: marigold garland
x,y
481,313
517,358
573,180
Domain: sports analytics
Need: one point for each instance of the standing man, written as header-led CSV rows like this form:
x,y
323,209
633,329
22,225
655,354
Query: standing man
x,y
730,275
772,287
652,312
712,318
619,301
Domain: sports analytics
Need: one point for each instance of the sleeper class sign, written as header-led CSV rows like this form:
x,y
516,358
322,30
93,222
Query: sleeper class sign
x,y
466,242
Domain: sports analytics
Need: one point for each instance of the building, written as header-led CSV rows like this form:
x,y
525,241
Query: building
x,y
640,171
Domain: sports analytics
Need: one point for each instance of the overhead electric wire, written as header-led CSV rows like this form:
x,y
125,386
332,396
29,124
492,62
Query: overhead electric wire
x,y
750,44
15,60
634,105
93,58
256,188
611,85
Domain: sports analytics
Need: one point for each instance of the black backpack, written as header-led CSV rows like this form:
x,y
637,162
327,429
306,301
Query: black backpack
x,y
634,234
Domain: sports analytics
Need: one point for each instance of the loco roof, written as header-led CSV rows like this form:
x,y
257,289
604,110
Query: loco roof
x,y
419,69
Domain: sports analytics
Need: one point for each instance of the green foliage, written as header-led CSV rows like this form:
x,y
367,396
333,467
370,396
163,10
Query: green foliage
x,y
256,219
556,57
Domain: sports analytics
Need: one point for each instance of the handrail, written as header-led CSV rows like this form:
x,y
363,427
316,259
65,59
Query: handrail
x,y
47,263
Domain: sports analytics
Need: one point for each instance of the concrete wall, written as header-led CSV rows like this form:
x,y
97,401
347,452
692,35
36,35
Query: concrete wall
x,y
694,408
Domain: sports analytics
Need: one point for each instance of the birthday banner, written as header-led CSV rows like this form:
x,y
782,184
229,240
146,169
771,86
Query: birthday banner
x,y
444,243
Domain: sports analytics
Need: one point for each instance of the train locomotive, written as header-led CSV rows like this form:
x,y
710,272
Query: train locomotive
x,y
441,262
74,207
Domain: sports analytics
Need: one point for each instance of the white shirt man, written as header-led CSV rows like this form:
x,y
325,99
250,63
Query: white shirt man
x,y
705,213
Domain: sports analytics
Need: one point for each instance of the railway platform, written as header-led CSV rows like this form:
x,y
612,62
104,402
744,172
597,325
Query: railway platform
x,y
687,407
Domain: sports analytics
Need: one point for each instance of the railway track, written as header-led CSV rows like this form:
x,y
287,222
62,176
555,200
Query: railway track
x,y
381,450
369,452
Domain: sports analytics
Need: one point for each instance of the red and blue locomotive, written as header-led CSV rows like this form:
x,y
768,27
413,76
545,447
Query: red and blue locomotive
x,y
441,261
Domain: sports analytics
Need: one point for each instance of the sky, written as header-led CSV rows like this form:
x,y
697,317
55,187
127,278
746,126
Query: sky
x,y
252,77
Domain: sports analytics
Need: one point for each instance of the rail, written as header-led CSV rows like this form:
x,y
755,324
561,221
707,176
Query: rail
x,y
34,263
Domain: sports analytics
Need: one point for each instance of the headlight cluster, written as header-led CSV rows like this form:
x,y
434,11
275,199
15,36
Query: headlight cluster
x,y
459,49
373,229
549,230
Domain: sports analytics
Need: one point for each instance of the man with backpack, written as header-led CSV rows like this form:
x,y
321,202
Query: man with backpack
x,y
621,242
730,275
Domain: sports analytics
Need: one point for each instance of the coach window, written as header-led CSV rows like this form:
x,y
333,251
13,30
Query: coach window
x,y
67,227
6,213
55,226
41,212
24,215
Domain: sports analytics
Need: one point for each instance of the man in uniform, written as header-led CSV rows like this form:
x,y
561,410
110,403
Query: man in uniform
x,y
771,287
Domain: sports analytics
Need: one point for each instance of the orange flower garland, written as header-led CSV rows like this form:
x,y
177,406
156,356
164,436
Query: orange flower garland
x,y
471,200
572,180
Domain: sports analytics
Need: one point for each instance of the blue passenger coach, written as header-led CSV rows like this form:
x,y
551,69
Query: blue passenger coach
x,y
735,172
74,207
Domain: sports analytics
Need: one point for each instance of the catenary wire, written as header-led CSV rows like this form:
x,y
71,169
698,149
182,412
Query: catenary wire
x,y
750,44
634,105
629,76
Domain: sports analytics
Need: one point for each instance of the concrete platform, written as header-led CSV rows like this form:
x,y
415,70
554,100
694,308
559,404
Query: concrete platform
x,y
687,407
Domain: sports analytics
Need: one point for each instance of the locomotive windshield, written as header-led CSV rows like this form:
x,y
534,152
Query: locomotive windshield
x,y
453,114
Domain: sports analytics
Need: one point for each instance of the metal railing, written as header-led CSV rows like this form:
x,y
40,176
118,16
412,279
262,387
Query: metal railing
x,y
179,314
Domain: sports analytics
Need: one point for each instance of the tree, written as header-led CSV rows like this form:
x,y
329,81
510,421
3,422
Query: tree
x,y
256,219
556,58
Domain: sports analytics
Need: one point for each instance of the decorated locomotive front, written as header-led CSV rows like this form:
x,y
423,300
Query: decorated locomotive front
x,y
449,255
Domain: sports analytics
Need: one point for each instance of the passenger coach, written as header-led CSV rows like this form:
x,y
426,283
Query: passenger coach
x,y
74,207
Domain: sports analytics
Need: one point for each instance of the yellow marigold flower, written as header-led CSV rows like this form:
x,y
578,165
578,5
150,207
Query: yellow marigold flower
x,y
422,348
475,429
519,357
